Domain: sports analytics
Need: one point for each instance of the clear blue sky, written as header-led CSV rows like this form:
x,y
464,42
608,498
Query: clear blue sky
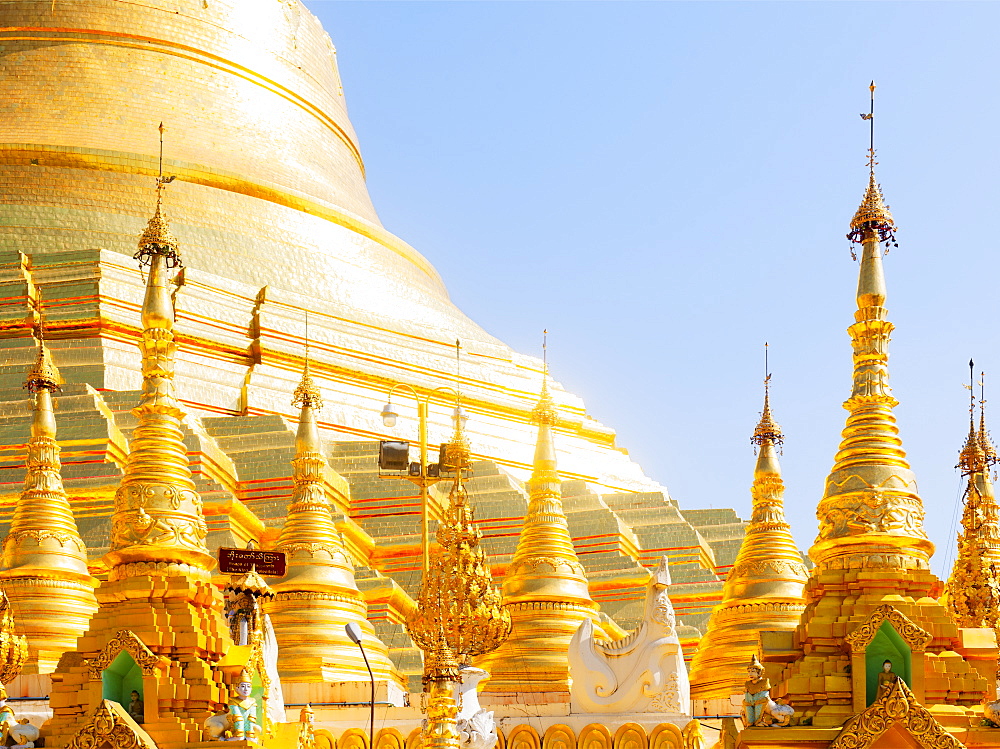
x,y
665,186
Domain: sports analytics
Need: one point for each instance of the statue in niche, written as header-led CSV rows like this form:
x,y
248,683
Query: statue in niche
x,y
756,695
886,680
136,707
243,710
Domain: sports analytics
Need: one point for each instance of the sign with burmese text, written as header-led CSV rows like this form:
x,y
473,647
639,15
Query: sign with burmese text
x,y
238,561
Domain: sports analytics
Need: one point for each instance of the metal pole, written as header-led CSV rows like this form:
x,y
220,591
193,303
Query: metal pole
x,y
424,521
354,633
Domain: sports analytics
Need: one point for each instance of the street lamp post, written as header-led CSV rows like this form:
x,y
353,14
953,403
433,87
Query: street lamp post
x,y
427,474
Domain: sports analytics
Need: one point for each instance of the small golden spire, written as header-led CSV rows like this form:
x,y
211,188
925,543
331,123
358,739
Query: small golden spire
x,y
764,586
318,593
546,588
973,588
44,557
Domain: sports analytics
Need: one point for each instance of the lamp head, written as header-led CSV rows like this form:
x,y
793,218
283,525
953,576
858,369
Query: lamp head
x,y
353,632
459,418
389,415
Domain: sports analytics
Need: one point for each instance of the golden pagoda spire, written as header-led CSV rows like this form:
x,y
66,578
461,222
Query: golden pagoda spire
x,y
974,584
763,591
44,557
871,509
545,589
158,512
318,595
159,602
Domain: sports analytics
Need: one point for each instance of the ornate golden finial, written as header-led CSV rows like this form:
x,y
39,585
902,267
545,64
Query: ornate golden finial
x,y
307,395
44,375
157,238
989,452
767,429
972,458
873,214
13,648
545,410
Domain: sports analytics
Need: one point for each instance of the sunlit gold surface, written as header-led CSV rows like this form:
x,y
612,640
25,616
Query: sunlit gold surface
x,y
763,591
44,558
267,167
545,589
318,595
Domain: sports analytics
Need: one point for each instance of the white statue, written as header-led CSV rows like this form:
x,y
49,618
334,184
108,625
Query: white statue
x,y
274,700
23,734
643,672
476,727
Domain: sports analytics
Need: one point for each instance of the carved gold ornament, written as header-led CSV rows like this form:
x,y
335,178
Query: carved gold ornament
x,y
899,706
915,637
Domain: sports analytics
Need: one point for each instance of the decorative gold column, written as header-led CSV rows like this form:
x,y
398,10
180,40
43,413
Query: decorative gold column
x,y
545,590
44,558
764,588
973,590
459,612
318,595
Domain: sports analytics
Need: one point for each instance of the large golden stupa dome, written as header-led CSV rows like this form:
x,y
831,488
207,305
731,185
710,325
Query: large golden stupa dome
x,y
273,221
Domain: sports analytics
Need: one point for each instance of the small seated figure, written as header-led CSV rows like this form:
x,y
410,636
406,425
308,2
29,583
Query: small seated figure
x,y
757,696
782,712
886,680
243,711
24,735
136,707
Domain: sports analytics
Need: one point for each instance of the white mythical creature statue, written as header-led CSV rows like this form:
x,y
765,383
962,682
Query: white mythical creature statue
x,y
641,673
476,727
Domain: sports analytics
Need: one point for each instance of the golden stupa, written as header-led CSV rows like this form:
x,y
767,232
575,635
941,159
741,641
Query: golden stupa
x,y
764,587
